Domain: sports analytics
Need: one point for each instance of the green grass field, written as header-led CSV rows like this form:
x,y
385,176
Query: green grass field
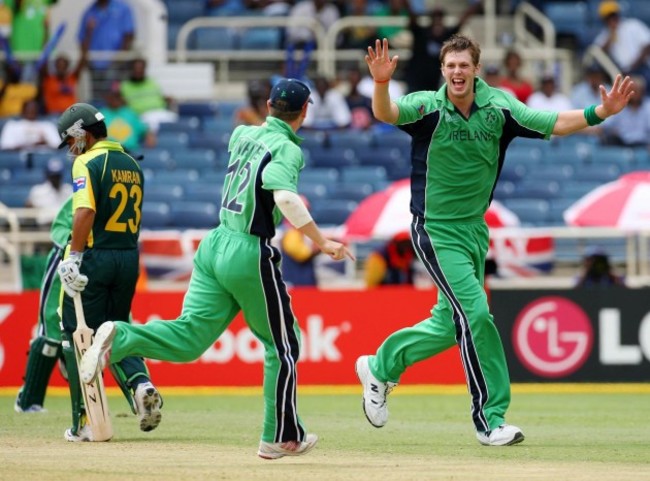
x,y
579,432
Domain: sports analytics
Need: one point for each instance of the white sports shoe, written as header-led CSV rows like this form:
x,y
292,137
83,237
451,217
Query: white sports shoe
x,y
504,435
374,394
288,448
85,434
94,359
147,406
34,408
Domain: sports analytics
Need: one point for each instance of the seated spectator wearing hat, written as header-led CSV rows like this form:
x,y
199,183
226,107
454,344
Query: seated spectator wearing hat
x,y
597,270
28,132
548,97
587,91
50,195
124,125
626,40
392,264
492,77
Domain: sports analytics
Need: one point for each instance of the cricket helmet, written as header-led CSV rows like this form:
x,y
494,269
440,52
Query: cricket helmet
x,y
75,120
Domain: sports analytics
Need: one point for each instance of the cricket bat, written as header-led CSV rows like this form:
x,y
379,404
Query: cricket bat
x,y
94,394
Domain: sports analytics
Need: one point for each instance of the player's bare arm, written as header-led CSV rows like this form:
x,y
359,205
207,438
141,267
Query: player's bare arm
x,y
612,102
336,250
382,67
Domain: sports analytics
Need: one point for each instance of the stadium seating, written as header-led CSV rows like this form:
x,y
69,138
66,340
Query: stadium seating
x,y
14,195
155,215
332,212
194,214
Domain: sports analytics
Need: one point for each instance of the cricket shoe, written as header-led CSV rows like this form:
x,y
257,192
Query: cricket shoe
x,y
504,435
34,408
374,402
96,357
85,434
147,406
287,448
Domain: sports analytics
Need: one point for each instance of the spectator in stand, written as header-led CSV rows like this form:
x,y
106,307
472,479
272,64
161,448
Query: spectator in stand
x,y
631,128
597,270
106,26
548,97
271,8
58,90
626,40
492,77
50,195
255,111
14,92
423,69
587,91
512,80
358,36
392,264
124,125
330,109
28,132
398,36
323,11
360,105
144,95
29,25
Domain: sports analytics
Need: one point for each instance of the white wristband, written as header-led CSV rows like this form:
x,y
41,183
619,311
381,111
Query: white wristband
x,y
292,207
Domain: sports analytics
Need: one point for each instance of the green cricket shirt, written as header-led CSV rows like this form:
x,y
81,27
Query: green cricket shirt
x,y
456,161
110,182
62,225
262,159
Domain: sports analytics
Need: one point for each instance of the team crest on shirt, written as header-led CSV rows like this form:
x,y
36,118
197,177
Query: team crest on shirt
x,y
78,183
490,117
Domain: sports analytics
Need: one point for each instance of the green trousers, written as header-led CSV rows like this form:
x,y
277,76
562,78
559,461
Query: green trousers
x,y
232,272
454,256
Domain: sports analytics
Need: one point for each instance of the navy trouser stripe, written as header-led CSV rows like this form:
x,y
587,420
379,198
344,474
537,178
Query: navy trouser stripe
x,y
473,373
281,324
46,287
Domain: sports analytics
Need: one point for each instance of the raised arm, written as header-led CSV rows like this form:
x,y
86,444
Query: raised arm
x,y
612,102
381,68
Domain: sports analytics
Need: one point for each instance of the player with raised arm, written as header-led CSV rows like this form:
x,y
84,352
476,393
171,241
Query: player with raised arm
x,y
102,260
459,137
236,268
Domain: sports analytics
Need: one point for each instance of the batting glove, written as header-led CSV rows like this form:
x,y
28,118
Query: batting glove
x,y
71,279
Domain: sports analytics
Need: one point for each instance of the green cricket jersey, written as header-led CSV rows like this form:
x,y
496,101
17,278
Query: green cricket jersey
x,y
262,159
62,225
456,161
110,182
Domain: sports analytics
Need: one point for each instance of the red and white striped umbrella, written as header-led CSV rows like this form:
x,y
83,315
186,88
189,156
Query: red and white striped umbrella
x,y
386,213
623,203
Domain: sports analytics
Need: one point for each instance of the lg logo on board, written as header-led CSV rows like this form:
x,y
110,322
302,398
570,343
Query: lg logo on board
x,y
552,337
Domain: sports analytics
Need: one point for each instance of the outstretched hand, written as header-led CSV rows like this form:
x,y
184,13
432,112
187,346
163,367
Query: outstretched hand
x,y
336,250
380,64
618,96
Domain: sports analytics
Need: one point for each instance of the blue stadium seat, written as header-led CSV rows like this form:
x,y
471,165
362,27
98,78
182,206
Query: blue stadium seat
x,y
577,189
513,170
156,159
180,177
325,175
333,157
194,215
604,172
197,159
537,188
313,191
12,160
374,175
353,191
155,215
180,11
39,160
570,18
504,189
264,38
214,38
359,141
27,176
531,212
393,138
183,124
14,195
557,172
209,140
557,208
332,212
197,109
204,192
5,176
607,154
172,140
528,155
219,125
312,139
162,193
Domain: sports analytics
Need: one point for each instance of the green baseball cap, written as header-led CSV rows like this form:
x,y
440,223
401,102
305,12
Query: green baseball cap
x,y
77,115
